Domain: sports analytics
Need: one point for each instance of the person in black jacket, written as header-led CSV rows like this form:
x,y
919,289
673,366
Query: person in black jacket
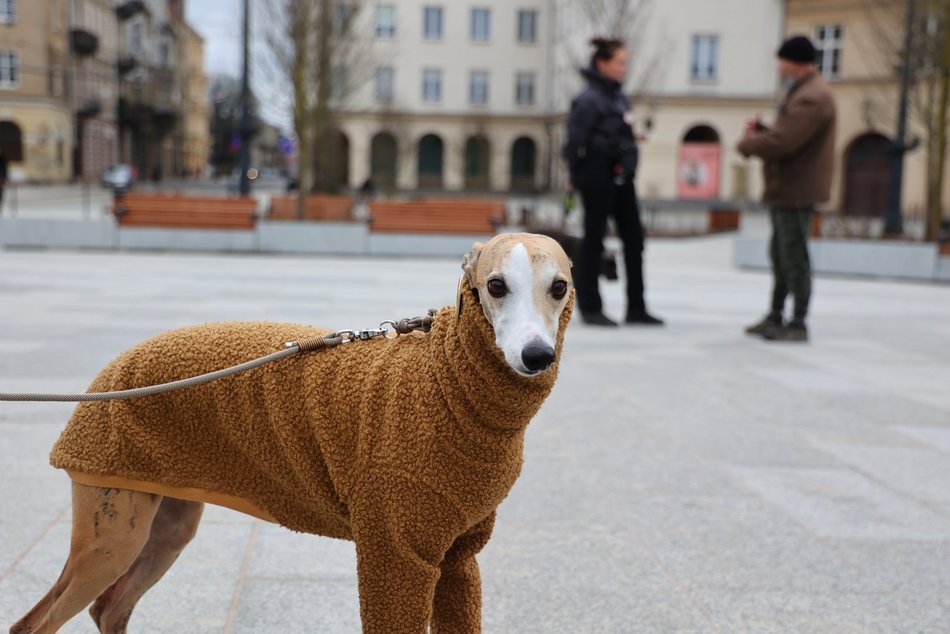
x,y
601,153
3,175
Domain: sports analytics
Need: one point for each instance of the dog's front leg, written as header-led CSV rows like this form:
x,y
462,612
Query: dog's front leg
x,y
458,595
402,530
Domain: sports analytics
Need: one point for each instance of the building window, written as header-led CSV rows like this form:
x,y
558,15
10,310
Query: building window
x,y
432,23
524,89
386,21
478,87
828,41
343,18
135,40
9,69
704,59
431,85
56,81
7,11
481,25
339,82
527,26
164,54
385,83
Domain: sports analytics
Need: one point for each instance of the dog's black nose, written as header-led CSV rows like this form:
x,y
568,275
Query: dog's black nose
x,y
537,356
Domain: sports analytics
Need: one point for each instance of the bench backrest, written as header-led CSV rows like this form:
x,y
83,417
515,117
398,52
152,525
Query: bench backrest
x,y
328,207
437,215
185,212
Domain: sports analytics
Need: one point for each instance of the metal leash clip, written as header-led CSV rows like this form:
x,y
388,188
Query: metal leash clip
x,y
346,336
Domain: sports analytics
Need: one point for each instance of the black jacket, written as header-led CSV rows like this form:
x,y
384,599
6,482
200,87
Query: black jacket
x,y
599,138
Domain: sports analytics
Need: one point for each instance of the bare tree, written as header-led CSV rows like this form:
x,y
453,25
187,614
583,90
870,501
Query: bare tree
x,y
315,50
929,96
625,20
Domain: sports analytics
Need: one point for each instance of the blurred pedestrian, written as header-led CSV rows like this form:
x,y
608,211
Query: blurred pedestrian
x,y
798,151
601,153
3,175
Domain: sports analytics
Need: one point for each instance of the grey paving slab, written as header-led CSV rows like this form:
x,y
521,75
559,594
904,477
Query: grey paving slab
x,y
681,479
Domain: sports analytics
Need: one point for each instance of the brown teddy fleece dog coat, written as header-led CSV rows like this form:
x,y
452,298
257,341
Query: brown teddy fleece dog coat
x,y
405,446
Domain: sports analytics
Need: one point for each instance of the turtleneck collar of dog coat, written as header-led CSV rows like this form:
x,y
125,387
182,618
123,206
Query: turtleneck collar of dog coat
x,y
292,442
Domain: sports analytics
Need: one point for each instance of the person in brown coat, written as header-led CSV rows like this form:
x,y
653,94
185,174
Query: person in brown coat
x,y
798,153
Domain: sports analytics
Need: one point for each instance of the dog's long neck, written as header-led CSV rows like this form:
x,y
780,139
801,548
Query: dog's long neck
x,y
481,388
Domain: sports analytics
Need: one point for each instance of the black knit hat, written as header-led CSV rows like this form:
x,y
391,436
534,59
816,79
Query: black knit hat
x,y
798,49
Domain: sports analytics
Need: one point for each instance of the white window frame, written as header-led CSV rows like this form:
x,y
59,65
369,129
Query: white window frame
x,y
437,12
339,82
385,28
829,41
527,35
479,29
431,85
136,37
704,58
525,88
385,84
7,11
479,87
9,69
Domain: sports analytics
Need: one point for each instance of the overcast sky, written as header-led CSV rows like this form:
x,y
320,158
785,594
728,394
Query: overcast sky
x,y
220,22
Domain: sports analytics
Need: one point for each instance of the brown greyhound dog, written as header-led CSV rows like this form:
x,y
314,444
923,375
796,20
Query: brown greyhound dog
x,y
410,464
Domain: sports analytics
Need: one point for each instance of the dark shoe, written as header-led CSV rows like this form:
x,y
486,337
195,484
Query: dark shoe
x,y
644,319
791,332
770,322
597,319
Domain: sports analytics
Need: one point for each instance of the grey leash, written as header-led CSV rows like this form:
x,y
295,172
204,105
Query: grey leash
x,y
290,348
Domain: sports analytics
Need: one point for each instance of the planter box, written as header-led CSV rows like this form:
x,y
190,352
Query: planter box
x,y
904,260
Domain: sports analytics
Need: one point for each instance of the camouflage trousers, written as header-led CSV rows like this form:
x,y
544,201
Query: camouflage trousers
x,y
791,266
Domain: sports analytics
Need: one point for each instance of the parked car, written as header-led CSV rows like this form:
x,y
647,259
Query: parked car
x,y
118,177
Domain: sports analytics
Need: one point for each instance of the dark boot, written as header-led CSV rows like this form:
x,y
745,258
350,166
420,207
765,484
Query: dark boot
x,y
793,331
772,320
597,319
643,318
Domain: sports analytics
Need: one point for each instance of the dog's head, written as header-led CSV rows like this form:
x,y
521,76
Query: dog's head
x,y
523,283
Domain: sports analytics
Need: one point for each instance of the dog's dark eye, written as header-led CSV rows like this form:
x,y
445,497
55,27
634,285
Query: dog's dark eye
x,y
497,288
559,289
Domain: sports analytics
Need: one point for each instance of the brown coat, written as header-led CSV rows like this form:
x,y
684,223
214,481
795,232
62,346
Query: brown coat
x,y
405,446
799,149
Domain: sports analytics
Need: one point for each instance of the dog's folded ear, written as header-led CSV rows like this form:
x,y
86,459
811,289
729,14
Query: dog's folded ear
x,y
470,262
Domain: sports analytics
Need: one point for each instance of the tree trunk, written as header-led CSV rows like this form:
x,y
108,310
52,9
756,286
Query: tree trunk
x,y
935,204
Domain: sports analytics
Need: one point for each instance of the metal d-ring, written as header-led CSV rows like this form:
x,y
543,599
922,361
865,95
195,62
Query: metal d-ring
x,y
391,332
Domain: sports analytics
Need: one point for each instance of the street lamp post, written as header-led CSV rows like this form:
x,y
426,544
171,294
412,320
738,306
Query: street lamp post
x,y
245,182
893,220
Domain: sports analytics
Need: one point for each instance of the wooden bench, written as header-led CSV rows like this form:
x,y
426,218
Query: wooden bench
x,y
437,215
326,207
185,212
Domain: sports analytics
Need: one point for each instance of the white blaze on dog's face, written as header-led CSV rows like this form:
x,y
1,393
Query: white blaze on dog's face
x,y
523,283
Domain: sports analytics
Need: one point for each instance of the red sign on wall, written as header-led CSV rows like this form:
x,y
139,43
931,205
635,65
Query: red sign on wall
x,y
698,169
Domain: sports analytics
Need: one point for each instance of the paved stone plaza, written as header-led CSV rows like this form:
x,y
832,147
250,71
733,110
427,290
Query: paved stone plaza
x,y
683,479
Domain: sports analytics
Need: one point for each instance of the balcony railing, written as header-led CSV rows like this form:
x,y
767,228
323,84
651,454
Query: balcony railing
x,y
83,42
89,108
126,10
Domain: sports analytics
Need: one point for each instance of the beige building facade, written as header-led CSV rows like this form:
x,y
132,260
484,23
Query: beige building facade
x,y
36,122
193,134
94,45
473,98
861,42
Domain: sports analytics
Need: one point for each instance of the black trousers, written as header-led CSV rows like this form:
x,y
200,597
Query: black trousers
x,y
791,265
600,203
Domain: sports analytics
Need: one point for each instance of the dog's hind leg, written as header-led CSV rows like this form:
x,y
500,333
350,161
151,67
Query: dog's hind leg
x,y
110,527
173,528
